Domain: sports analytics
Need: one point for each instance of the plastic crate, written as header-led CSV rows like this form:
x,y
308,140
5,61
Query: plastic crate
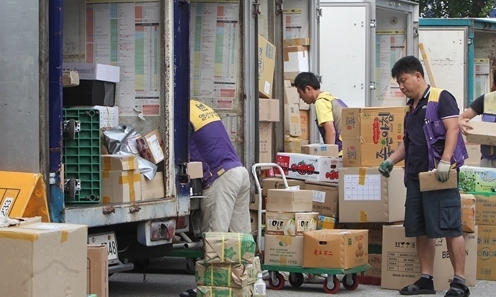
x,y
81,156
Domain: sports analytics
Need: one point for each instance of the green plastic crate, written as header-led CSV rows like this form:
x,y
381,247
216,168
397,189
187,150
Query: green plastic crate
x,y
81,156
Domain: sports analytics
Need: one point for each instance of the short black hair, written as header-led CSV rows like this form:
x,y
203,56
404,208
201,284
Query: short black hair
x,y
304,79
408,64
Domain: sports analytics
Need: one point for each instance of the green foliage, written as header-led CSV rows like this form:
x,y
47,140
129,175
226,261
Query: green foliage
x,y
455,8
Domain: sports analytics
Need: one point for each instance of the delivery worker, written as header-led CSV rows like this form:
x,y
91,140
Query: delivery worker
x,y
226,183
327,107
486,106
432,140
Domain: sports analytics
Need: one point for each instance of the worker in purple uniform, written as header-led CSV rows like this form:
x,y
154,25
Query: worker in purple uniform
x,y
226,183
432,140
484,105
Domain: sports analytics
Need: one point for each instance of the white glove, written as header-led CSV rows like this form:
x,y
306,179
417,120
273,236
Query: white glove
x,y
443,170
6,222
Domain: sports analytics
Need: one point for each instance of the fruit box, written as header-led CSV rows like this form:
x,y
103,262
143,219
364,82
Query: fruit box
x,y
477,179
309,167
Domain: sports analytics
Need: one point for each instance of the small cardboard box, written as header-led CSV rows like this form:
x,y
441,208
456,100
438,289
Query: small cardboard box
x,y
266,64
43,259
326,223
195,170
226,275
268,110
304,124
283,250
371,134
308,167
265,138
228,247
401,267
375,230
335,248
151,147
119,162
366,196
207,291
485,209
486,260
429,182
296,60
292,124
474,154
94,71
482,133
70,78
325,198
291,95
477,179
292,144
373,275
121,186
290,223
153,189
278,183
97,270
468,213
319,149
289,200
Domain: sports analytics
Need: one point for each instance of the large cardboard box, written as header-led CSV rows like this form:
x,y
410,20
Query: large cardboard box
x,y
401,267
268,110
290,223
228,247
477,179
153,189
97,270
151,147
474,154
468,213
121,186
292,125
43,259
366,196
265,138
486,253
371,134
266,64
373,275
296,60
304,124
325,198
482,133
278,183
335,248
94,71
289,200
227,275
319,149
485,209
283,250
308,167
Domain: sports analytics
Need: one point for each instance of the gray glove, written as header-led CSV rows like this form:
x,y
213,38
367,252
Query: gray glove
x,y
386,167
443,170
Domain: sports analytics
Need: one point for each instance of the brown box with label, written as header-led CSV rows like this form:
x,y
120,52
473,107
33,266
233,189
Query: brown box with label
x,y
335,248
290,223
283,250
468,213
151,147
97,270
486,253
319,149
266,64
325,198
485,209
292,124
153,189
265,138
429,182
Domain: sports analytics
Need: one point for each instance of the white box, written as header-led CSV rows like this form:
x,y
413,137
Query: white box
x,y
308,167
94,71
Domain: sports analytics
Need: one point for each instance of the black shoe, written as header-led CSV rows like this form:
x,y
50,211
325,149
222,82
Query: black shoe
x,y
457,289
421,286
188,293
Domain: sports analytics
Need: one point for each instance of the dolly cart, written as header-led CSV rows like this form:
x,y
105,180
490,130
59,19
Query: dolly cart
x,y
331,283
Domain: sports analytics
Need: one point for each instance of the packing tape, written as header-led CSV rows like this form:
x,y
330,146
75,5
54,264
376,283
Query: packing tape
x,y
223,242
361,176
211,274
129,178
64,236
229,276
363,216
19,236
107,164
105,174
239,247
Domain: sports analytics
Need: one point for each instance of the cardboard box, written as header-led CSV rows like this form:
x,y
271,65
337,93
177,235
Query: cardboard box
x,y
89,93
485,209
121,186
325,198
296,60
278,183
194,170
366,196
373,275
308,167
291,95
289,200
254,205
474,154
227,275
268,110
207,291
375,230
371,134
486,251
254,221
429,182
292,144
336,248
283,250
94,71
468,213
304,124
326,223
477,179
296,42
265,137
228,247
482,133
109,115
97,271
43,259
153,189
401,267
292,120
119,162
70,78
290,223
266,64
151,147
320,149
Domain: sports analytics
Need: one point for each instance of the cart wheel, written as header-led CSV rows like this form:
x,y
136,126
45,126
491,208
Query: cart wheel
x,y
190,265
278,283
350,281
296,279
333,286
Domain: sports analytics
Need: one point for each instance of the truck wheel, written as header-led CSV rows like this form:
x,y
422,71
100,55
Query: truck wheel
x,y
190,265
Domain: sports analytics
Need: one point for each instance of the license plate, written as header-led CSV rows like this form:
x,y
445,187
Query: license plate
x,y
107,239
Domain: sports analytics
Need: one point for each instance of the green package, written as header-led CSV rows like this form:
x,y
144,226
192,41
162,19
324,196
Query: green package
x,y
208,291
227,275
226,247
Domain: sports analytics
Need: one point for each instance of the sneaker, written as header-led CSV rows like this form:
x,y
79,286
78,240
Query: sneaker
x,y
188,293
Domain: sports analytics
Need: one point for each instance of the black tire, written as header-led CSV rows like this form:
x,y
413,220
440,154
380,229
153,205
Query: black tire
x,y
296,279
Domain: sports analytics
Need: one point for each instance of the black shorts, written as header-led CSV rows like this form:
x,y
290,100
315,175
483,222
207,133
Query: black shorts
x,y
436,214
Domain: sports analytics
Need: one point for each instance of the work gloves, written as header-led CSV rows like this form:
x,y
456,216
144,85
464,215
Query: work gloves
x,y
443,170
386,167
